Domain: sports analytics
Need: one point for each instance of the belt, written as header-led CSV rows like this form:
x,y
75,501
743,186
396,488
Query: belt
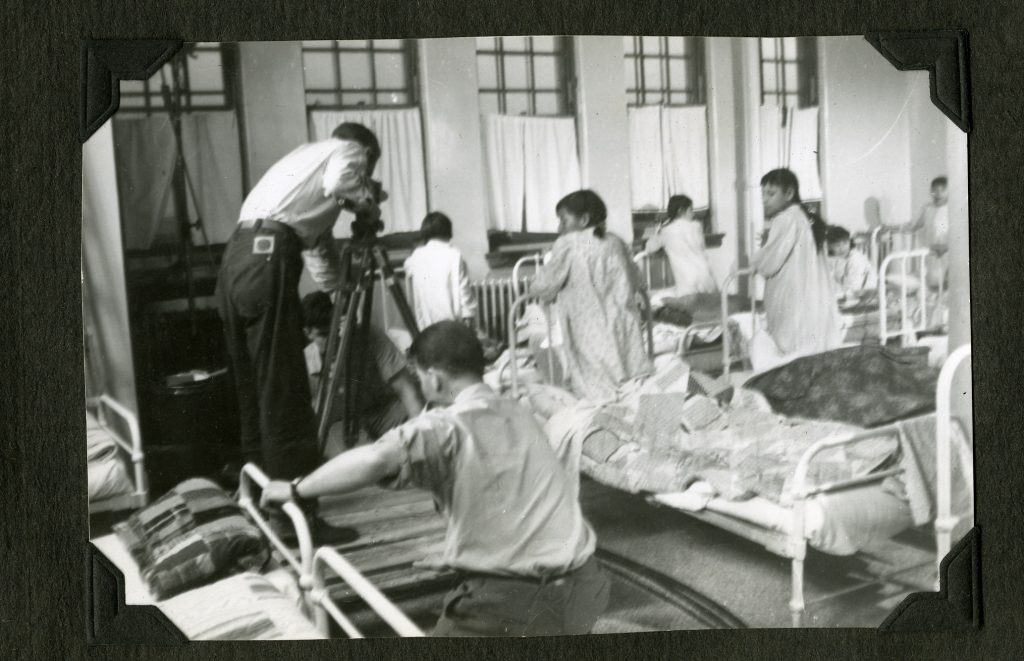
x,y
540,580
263,224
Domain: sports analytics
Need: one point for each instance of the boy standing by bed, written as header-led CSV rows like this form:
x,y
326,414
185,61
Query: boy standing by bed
x,y
515,531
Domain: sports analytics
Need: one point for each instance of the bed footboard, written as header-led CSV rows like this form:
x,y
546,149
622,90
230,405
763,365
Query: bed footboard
x,y
133,447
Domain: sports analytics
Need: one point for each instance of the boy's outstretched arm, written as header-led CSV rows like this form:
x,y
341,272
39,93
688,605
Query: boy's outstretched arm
x,y
349,471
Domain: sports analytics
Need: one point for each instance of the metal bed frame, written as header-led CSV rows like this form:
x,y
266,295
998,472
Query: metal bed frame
x,y
133,448
909,327
312,567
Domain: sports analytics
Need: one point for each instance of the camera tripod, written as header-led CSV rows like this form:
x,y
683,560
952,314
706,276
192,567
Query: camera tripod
x,y
348,344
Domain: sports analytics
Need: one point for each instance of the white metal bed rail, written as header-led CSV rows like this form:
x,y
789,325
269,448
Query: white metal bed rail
x,y
752,291
327,558
909,328
945,519
883,243
133,447
251,476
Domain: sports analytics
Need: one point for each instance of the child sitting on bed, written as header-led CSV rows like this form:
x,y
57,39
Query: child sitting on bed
x,y
439,278
515,532
682,239
851,269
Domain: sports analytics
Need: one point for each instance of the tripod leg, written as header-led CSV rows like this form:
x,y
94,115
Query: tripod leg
x,y
359,357
397,295
340,304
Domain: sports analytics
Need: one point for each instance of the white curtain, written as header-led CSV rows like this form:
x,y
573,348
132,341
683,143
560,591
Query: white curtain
x,y
668,155
646,159
684,136
531,163
146,154
401,168
793,145
504,159
552,168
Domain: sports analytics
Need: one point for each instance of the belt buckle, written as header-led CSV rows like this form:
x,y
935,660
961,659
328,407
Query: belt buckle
x,y
263,245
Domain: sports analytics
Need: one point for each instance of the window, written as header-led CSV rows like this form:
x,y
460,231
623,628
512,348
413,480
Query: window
x,y
199,73
664,71
789,72
525,75
368,73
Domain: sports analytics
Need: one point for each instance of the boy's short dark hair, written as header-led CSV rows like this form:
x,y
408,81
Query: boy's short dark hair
x,y
436,225
678,204
940,181
317,310
836,234
450,346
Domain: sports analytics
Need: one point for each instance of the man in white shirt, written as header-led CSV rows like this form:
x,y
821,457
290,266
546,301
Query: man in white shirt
x,y
285,221
441,290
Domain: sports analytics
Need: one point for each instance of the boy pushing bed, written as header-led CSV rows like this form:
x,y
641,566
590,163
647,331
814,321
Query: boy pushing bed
x,y
515,532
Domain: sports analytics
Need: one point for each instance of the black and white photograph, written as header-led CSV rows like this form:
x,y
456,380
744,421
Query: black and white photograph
x,y
526,336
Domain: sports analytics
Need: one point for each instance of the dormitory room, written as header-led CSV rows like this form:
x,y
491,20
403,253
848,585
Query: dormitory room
x,y
516,336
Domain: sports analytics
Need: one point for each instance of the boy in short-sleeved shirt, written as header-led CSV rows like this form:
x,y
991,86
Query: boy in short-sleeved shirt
x,y
515,532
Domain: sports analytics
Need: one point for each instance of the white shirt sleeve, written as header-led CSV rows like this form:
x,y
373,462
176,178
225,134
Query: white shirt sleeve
x,y
345,173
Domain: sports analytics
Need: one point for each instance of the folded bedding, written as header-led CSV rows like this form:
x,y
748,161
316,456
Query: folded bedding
x,y
192,535
246,606
867,386
107,476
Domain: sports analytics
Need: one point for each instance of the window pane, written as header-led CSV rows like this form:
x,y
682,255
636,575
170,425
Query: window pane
x,y
517,103
318,69
545,44
549,103
545,72
652,45
487,71
390,69
317,44
680,99
652,97
517,44
652,73
321,99
132,101
678,75
392,99
792,79
208,100
355,70
486,43
769,80
387,43
130,86
515,71
357,98
789,48
767,48
629,45
677,45
205,71
792,100
488,103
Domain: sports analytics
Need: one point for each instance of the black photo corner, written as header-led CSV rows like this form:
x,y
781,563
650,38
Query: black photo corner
x,y
104,63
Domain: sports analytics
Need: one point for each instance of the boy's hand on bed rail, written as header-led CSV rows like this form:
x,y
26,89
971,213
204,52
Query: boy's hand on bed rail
x,y
276,492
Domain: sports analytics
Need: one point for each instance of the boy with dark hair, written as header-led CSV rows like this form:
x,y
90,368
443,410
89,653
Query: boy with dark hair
x,y
516,534
440,280
851,269
388,394
932,229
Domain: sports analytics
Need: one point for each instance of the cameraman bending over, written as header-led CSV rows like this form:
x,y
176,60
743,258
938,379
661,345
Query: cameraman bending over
x,y
287,219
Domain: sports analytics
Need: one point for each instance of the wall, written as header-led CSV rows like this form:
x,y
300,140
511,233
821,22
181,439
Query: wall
x,y
866,107
106,299
927,135
603,128
454,151
723,119
273,102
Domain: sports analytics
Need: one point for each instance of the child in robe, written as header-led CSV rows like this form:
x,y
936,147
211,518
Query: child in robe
x,y
592,277
851,269
440,281
931,227
682,239
799,297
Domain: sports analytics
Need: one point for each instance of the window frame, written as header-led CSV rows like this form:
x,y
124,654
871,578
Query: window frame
x,y
806,62
562,52
228,62
696,73
336,48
